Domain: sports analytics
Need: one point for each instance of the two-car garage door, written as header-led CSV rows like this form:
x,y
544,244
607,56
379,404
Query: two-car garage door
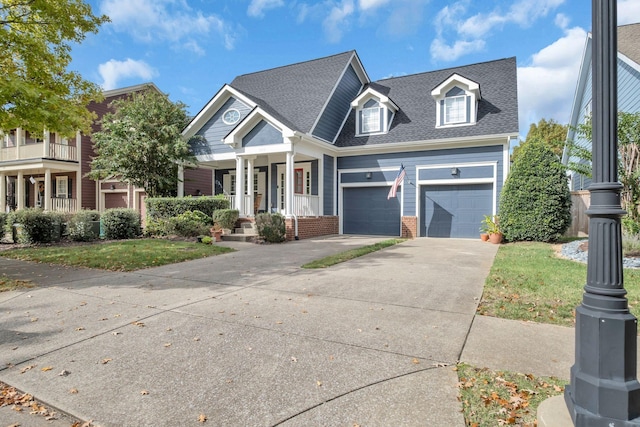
x,y
445,210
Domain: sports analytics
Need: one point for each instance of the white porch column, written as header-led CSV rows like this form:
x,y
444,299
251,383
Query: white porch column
x,y
180,181
78,189
20,191
249,209
47,189
240,185
289,187
321,185
3,193
19,135
47,142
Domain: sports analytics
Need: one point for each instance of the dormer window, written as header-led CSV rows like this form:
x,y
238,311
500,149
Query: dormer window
x,y
374,113
370,119
456,102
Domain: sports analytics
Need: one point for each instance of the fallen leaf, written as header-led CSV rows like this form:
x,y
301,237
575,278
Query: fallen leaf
x,y
168,344
319,383
415,361
294,359
27,368
105,361
64,373
202,418
144,392
73,391
116,333
34,319
169,329
46,368
80,329
196,339
138,324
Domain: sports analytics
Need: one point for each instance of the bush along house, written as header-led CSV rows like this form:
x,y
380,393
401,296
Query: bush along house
x,y
322,144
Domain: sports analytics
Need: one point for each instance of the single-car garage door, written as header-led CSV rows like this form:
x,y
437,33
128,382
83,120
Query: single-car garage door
x,y
115,200
366,210
454,210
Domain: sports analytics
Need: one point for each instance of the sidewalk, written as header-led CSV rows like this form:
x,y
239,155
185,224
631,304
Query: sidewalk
x,y
251,339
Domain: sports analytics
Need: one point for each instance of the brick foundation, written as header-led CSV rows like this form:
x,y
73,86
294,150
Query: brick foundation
x,y
309,227
409,227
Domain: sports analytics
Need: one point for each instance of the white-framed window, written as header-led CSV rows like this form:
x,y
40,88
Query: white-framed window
x,y
587,109
455,109
371,120
62,187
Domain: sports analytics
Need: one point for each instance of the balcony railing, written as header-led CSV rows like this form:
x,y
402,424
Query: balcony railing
x,y
37,150
303,205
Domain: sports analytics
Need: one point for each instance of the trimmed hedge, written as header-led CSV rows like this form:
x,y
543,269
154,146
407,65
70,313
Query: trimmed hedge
x,y
81,226
271,227
167,207
535,203
121,223
35,225
226,218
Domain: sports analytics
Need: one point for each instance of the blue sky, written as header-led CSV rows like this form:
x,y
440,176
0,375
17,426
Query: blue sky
x,y
190,48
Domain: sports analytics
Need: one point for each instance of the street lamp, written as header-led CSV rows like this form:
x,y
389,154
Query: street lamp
x,y
604,390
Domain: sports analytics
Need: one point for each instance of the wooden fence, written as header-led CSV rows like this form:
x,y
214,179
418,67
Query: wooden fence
x,y
579,220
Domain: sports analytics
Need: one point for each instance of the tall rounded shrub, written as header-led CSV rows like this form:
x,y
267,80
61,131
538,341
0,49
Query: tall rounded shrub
x,y
535,203
120,223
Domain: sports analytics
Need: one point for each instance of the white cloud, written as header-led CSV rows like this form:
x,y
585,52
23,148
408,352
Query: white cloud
x,y
257,7
470,33
113,70
371,4
337,21
172,20
444,52
628,12
547,86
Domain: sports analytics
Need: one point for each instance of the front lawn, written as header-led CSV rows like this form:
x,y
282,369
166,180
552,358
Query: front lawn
x,y
125,255
7,284
529,282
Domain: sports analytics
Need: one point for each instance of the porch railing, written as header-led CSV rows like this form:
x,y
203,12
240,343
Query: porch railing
x,y
306,205
63,205
63,152
303,205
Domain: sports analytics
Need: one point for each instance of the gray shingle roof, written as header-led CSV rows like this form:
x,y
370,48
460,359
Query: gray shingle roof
x,y
416,119
628,45
295,94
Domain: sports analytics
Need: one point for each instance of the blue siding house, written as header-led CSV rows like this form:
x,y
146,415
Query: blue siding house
x,y
628,92
321,143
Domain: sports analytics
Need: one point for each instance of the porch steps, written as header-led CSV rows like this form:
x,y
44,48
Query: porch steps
x,y
247,232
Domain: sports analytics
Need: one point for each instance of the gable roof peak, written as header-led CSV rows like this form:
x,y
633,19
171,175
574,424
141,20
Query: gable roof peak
x,y
295,64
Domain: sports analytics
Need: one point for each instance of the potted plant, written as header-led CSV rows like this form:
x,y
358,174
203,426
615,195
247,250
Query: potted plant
x,y
490,226
216,232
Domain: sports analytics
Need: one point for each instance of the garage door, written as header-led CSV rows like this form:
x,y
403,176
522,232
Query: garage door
x,y
367,211
455,210
115,200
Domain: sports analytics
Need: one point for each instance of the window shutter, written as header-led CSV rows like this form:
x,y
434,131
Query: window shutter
x,y
69,188
54,190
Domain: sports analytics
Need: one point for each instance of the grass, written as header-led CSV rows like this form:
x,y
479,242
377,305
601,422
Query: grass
x,y
7,284
126,255
529,282
494,398
351,254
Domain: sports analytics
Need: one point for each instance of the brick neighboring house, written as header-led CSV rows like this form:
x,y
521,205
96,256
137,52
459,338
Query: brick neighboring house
x,y
321,143
49,171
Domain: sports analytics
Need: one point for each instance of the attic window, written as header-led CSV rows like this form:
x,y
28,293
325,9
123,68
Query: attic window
x,y
371,120
455,109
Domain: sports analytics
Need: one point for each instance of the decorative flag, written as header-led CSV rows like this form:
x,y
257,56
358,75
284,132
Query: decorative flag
x,y
396,182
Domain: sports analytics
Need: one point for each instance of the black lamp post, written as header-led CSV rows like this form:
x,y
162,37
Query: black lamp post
x,y
604,390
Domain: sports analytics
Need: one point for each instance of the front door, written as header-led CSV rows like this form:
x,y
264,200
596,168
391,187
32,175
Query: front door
x,y
39,193
301,183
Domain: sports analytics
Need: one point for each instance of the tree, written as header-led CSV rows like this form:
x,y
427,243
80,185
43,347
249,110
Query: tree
x,y
140,142
628,159
551,132
36,89
535,203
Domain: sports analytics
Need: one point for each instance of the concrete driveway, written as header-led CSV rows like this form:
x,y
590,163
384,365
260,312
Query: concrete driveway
x,y
250,338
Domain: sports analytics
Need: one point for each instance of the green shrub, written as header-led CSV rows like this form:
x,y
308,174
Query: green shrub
x,y
157,227
226,218
81,226
168,207
535,203
189,224
630,226
271,227
35,225
121,223
3,222
207,240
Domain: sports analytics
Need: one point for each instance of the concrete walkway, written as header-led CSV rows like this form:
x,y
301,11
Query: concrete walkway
x,y
251,339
